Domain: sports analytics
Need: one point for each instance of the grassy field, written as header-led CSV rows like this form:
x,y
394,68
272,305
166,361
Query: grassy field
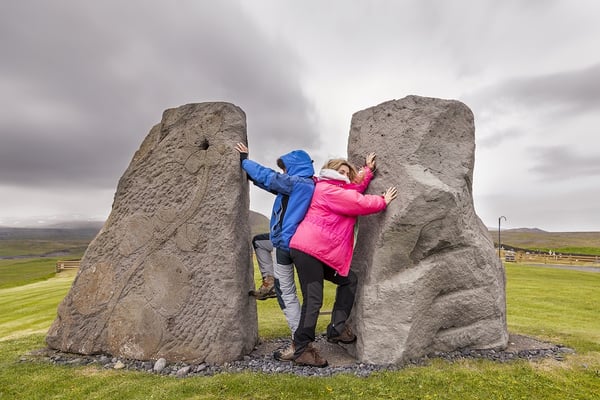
x,y
24,254
17,272
31,308
568,302
556,305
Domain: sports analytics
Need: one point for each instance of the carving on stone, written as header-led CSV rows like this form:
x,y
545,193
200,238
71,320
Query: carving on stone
x,y
179,222
137,231
96,289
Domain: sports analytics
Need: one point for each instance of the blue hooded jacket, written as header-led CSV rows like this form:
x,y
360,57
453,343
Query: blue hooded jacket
x,y
294,191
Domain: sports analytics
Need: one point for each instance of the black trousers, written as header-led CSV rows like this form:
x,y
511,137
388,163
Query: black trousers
x,y
311,274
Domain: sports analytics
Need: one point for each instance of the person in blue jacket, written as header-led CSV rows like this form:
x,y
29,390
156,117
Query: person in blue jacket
x,y
293,189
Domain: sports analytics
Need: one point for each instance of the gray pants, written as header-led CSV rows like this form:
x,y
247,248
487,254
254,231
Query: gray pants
x,y
285,284
285,287
263,248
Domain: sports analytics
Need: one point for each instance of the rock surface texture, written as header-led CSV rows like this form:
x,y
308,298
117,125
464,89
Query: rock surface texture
x,y
429,277
168,274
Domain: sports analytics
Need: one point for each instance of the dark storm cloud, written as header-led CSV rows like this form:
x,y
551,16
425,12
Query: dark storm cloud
x,y
81,84
561,162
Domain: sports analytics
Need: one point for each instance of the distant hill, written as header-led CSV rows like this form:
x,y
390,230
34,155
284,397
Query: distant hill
x,y
48,233
97,225
526,230
537,239
258,223
531,230
87,230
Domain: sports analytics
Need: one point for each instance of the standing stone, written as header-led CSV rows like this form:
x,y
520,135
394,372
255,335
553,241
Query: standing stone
x,y
429,277
168,274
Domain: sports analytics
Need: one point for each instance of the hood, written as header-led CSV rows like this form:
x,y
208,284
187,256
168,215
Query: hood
x,y
298,163
332,174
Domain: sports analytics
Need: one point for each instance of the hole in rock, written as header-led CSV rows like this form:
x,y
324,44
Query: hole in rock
x,y
203,144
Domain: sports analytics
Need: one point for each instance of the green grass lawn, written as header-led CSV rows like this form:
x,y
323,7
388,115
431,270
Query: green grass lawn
x,y
562,306
547,303
18,272
592,251
32,308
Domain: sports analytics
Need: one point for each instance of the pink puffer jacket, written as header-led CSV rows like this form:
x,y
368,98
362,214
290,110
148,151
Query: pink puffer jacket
x,y
327,230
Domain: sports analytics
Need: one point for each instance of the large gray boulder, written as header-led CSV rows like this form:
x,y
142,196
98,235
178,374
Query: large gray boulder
x,y
430,279
168,274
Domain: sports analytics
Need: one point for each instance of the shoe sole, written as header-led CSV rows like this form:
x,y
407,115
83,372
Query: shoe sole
x,y
279,358
337,341
266,297
261,297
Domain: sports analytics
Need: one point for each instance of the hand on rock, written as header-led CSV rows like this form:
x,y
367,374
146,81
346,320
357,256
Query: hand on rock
x,y
243,149
370,161
390,194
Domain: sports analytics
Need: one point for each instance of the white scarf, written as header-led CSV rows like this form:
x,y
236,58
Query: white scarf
x,y
332,174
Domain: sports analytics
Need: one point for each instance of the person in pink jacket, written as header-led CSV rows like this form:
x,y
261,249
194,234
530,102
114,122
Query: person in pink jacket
x,y
322,247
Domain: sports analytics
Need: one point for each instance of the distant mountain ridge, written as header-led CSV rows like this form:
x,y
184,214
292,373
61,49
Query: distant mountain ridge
x,y
87,230
258,223
76,225
527,230
48,233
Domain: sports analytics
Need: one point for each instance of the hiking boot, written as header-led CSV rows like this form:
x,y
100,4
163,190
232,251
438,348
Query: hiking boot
x,y
266,290
345,337
286,354
311,357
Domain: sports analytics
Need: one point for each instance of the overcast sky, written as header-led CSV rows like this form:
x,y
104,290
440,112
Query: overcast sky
x,y
82,83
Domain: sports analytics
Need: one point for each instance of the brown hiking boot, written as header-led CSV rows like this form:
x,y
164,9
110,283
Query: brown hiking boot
x,y
345,337
311,357
266,290
286,354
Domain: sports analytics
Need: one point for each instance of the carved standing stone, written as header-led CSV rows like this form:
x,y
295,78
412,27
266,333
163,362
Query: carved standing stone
x,y
429,277
168,274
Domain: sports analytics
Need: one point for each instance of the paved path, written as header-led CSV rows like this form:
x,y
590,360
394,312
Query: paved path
x,y
559,266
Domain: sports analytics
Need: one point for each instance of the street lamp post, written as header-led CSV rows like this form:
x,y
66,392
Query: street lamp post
x,y
500,242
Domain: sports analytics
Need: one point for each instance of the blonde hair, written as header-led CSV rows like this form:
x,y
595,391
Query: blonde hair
x,y
336,163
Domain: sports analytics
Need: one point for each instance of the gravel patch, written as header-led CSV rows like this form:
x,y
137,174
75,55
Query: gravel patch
x,y
340,362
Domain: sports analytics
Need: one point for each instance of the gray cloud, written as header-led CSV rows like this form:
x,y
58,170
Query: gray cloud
x,y
573,91
496,139
80,91
554,108
560,163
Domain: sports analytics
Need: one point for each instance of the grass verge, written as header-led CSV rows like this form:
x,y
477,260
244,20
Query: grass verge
x,y
19,272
